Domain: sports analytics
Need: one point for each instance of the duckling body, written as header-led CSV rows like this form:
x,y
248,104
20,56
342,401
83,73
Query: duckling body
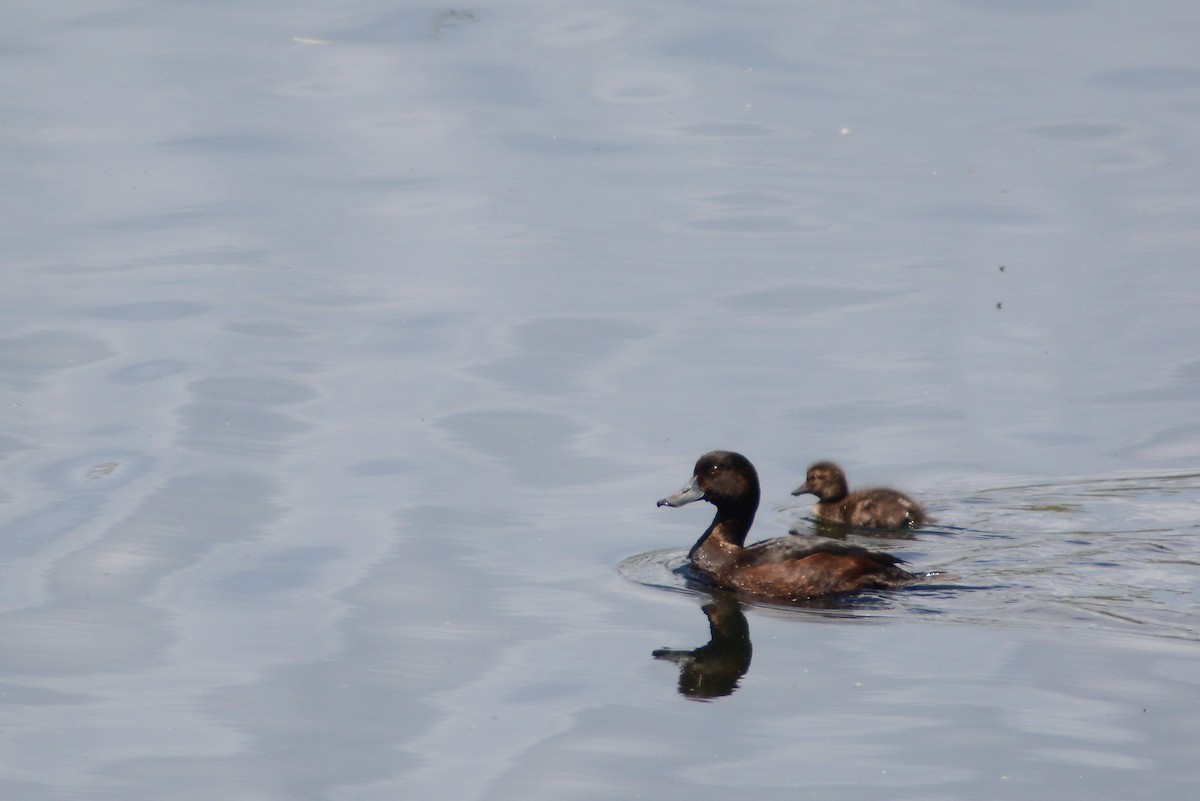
x,y
877,507
787,568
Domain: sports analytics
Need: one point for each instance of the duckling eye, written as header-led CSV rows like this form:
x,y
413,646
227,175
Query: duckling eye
x,y
712,471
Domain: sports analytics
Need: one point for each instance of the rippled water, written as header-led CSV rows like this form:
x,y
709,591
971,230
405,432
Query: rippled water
x,y
1116,553
345,350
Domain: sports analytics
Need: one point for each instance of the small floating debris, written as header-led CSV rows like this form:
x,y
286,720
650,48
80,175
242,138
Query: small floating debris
x,y
100,470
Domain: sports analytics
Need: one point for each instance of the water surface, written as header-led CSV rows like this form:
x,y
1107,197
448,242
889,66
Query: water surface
x,y
345,350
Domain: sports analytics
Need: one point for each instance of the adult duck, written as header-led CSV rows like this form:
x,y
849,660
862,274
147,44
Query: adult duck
x,y
787,568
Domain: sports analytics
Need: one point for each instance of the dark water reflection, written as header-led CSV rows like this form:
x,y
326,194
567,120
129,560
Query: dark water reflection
x,y
714,669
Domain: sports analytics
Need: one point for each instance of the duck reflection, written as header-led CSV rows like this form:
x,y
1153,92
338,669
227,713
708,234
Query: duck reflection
x,y
714,670
835,530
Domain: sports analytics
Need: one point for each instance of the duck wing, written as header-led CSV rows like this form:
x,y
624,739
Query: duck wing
x,y
794,549
795,568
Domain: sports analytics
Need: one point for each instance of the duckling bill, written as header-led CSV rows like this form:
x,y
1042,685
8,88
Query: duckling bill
x,y
786,568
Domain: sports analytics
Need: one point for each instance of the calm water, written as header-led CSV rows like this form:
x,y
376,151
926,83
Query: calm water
x,y
345,349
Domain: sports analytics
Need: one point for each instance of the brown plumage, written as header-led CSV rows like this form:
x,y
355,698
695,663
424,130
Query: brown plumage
x,y
871,508
787,568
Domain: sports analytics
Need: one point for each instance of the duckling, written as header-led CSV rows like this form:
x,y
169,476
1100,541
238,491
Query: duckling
x,y
871,508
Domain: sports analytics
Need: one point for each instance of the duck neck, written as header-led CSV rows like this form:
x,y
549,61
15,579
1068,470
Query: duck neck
x,y
727,532
835,495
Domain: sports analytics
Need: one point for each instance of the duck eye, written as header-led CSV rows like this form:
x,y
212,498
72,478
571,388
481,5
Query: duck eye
x,y
712,471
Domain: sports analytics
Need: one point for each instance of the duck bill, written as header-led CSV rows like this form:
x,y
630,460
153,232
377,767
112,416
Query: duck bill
x,y
690,492
802,490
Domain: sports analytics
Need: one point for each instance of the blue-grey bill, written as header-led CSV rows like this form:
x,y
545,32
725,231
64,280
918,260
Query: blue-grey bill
x,y
690,492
